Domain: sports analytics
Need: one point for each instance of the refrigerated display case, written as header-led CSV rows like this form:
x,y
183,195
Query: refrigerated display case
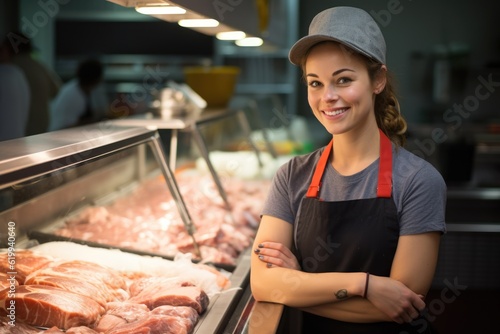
x,y
49,178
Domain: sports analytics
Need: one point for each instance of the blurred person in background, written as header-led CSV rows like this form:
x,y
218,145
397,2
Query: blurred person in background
x,y
81,100
14,97
43,82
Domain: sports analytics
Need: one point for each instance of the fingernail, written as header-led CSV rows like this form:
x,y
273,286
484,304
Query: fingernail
x,y
261,257
256,250
260,246
269,265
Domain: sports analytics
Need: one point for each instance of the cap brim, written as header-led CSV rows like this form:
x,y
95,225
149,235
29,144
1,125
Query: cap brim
x,y
302,46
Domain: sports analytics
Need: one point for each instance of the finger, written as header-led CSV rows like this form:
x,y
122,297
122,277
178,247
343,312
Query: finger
x,y
414,314
275,249
268,259
419,304
274,245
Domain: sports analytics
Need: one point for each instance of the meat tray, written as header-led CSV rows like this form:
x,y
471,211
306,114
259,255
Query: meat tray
x,y
45,179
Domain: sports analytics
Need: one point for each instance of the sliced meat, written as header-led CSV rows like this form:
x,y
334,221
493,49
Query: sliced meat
x,y
101,283
154,283
51,330
185,314
47,306
108,322
8,281
157,295
120,313
19,328
81,330
26,261
89,270
153,324
81,287
128,311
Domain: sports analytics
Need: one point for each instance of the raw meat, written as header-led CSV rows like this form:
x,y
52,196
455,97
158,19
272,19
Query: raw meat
x,y
148,219
100,283
121,313
185,314
127,311
46,306
26,262
153,324
72,330
19,328
81,330
7,281
126,317
71,284
161,291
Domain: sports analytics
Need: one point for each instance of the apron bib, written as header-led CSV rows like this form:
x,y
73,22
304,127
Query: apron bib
x,y
349,236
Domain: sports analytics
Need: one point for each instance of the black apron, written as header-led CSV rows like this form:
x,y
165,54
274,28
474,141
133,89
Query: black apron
x,y
349,236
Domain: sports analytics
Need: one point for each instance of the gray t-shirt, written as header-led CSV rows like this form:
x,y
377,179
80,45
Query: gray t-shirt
x,y
419,191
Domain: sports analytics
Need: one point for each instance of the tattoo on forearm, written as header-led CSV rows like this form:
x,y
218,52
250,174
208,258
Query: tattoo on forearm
x,y
341,294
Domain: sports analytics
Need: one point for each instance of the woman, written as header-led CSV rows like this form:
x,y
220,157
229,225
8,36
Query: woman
x,y
350,233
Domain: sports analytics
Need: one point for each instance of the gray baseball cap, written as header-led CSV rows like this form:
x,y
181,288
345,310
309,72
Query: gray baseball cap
x,y
350,26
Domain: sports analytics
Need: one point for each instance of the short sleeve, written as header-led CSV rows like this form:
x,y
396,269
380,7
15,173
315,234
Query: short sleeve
x,y
423,202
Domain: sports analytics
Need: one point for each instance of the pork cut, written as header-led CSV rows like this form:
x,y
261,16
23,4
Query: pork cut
x,y
47,306
8,281
86,278
81,330
121,313
79,286
148,219
19,328
153,324
164,291
124,317
25,262
185,314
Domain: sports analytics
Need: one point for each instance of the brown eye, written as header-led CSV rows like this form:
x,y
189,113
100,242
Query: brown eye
x,y
313,83
344,80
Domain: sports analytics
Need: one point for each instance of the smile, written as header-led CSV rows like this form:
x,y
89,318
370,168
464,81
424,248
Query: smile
x,y
336,112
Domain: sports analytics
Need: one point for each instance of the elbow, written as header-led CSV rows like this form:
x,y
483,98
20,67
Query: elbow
x,y
258,291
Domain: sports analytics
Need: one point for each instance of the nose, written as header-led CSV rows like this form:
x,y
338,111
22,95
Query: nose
x,y
330,93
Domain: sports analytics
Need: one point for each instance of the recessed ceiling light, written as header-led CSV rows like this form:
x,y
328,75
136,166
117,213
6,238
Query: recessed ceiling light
x,y
160,10
250,41
230,35
198,23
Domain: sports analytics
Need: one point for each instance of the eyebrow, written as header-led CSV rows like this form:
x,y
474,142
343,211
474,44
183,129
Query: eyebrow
x,y
333,74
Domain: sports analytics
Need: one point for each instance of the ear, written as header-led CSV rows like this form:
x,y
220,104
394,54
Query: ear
x,y
380,80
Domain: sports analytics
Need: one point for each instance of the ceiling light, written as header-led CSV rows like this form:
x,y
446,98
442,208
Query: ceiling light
x,y
250,41
198,23
230,35
160,10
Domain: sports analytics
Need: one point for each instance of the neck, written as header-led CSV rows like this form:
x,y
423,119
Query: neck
x,y
353,152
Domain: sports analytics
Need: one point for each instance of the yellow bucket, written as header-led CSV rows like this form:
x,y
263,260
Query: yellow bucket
x,y
215,84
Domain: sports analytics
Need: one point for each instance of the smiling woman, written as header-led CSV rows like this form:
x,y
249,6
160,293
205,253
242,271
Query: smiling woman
x,y
340,225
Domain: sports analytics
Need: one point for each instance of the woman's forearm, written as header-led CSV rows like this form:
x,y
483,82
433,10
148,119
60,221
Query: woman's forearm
x,y
299,289
353,310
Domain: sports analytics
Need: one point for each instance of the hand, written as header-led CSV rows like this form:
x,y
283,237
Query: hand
x,y
275,254
394,299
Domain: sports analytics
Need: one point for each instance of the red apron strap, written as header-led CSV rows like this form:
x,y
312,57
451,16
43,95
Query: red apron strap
x,y
384,187
313,190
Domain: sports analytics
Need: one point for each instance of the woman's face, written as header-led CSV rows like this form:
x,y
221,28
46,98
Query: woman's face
x,y
340,92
